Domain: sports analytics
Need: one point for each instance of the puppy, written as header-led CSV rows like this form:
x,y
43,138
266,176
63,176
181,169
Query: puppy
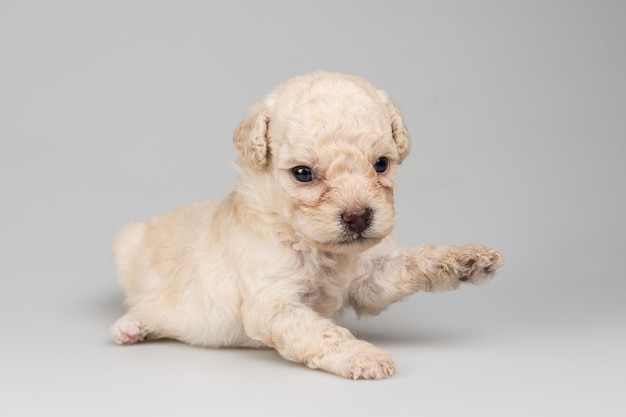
x,y
304,234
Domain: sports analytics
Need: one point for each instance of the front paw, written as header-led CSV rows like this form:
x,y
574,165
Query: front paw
x,y
471,263
360,361
373,363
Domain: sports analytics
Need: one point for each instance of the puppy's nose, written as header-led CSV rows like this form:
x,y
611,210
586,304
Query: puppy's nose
x,y
357,220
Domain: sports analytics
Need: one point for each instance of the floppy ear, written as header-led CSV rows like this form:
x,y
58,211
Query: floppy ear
x,y
398,129
250,139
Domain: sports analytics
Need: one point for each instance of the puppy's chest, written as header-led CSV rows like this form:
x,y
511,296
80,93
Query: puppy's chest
x,y
328,286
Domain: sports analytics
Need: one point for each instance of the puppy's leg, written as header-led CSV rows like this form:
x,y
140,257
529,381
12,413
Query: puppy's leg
x,y
128,330
301,335
389,273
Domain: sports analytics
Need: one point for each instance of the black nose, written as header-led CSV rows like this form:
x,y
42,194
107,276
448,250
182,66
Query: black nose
x,y
357,220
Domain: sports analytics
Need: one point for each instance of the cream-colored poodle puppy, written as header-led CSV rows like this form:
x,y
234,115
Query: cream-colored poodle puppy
x,y
304,234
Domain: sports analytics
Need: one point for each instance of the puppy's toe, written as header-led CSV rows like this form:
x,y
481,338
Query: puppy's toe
x,y
128,330
477,263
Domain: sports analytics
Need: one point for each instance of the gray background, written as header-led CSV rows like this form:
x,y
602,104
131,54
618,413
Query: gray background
x,y
113,111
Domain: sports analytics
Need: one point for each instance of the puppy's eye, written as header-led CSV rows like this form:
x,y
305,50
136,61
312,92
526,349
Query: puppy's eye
x,y
381,164
303,174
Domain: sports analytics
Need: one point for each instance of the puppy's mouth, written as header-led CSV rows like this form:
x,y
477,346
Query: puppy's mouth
x,y
352,239
357,241
352,244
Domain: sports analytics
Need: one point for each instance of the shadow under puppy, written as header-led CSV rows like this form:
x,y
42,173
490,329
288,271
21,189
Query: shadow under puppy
x,y
303,235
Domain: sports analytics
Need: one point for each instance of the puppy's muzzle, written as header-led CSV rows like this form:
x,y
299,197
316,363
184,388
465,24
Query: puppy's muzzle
x,y
357,220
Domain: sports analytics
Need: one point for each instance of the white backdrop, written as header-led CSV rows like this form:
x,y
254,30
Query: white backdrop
x,y
113,111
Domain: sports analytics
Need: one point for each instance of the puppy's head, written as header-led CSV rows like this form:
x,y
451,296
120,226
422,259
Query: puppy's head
x,y
321,151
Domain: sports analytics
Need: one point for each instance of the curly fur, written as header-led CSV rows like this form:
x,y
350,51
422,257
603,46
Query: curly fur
x,y
272,263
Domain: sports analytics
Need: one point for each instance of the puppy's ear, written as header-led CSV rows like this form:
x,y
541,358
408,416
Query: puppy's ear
x,y
398,129
250,139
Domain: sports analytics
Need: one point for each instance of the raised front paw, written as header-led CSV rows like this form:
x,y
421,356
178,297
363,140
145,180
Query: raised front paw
x,y
471,263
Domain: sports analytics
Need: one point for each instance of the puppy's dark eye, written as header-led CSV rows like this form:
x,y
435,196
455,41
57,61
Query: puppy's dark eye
x,y
381,164
303,174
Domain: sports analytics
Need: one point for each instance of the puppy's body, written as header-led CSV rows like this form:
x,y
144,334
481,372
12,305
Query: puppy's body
x,y
303,235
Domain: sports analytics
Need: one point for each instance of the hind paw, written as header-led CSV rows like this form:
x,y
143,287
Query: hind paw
x,y
128,330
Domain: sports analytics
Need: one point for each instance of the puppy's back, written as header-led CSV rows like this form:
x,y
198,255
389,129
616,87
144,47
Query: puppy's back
x,y
146,254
